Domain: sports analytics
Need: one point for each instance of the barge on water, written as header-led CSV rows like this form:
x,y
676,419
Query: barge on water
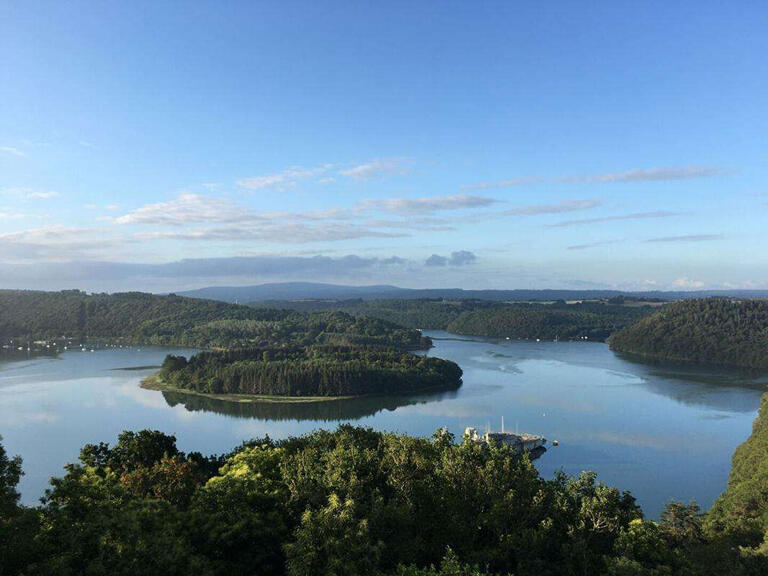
x,y
520,443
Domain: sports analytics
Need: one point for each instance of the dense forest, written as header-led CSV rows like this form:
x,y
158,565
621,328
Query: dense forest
x,y
358,502
591,320
425,314
141,318
310,371
526,320
137,317
253,351
710,331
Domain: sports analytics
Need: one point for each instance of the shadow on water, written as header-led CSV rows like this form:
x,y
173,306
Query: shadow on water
x,y
716,387
328,411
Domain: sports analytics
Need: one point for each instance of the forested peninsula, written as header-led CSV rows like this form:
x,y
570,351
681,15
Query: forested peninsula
x,y
253,353
141,318
715,331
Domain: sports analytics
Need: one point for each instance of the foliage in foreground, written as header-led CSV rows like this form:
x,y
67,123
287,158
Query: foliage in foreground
x,y
349,502
741,513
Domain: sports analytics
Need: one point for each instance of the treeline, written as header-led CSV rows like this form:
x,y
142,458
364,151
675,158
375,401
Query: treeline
x,y
347,503
710,331
172,320
430,314
310,371
595,320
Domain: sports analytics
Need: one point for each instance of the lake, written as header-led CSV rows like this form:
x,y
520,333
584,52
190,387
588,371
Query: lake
x,y
658,430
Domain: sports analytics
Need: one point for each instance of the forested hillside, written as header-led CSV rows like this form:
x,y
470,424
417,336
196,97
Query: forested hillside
x,y
347,503
172,320
710,331
427,314
261,351
310,371
595,321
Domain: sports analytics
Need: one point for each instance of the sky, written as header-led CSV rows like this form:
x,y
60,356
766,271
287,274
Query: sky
x,y
163,146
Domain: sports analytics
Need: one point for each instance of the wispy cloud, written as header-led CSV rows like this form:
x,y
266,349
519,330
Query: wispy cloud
x,y
29,193
339,222
277,233
326,173
6,214
560,207
688,238
422,224
638,175
12,151
377,168
633,216
185,209
332,213
508,183
591,245
58,243
42,195
236,223
427,205
649,174
283,180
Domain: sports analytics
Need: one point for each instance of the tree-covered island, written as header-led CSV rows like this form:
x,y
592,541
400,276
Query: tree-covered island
x,y
314,371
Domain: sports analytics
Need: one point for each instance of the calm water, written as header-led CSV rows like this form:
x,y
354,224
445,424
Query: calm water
x,y
660,431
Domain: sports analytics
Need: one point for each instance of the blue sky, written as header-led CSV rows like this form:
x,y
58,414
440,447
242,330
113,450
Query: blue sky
x,y
170,145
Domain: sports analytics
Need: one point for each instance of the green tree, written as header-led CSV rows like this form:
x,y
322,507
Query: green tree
x,y
332,541
18,525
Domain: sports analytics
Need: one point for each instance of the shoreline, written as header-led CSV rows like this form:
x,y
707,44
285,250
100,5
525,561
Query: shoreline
x,y
154,382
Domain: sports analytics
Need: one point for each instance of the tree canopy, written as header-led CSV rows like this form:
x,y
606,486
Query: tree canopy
x,y
141,318
527,320
709,331
350,502
311,371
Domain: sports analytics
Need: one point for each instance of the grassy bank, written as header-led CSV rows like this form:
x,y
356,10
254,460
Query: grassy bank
x,y
154,382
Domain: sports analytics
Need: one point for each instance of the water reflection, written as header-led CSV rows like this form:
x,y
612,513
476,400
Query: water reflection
x,y
659,430
718,388
723,389
329,411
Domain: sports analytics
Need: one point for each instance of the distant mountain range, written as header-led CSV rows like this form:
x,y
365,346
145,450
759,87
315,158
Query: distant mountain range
x,y
317,291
